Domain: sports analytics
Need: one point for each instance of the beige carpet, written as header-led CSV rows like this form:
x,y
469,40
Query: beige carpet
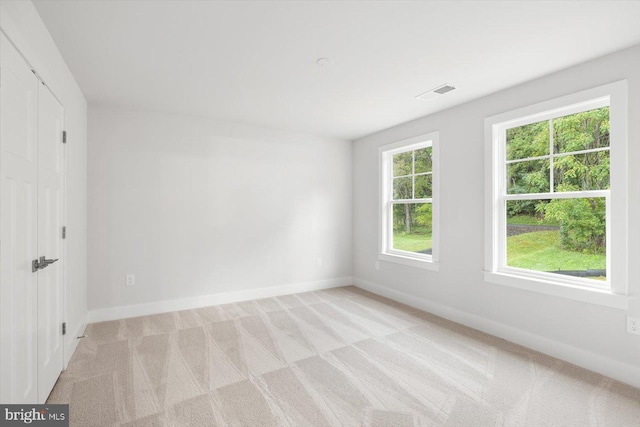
x,y
340,357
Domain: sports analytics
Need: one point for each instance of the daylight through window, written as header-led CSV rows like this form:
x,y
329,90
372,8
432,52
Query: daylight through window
x,y
408,199
557,189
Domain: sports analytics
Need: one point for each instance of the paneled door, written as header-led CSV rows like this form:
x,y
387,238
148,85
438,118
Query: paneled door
x,y
19,227
50,205
31,212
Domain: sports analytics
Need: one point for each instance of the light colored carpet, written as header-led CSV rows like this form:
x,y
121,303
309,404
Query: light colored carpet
x,y
328,358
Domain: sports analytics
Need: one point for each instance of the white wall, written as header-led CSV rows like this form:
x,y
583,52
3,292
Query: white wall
x,y
197,207
590,335
22,25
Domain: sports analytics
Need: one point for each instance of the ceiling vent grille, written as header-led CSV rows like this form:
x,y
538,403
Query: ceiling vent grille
x,y
435,92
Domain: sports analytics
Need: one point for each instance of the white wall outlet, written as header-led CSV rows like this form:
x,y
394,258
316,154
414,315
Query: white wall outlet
x,y
318,262
377,265
633,325
130,279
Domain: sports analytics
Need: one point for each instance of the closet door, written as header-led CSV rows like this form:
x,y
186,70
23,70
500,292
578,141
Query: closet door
x,y
50,204
18,229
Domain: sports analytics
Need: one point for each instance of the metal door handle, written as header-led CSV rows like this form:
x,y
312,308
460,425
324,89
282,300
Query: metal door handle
x,y
45,262
41,263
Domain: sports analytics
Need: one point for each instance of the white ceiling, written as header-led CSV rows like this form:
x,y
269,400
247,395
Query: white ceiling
x,y
255,61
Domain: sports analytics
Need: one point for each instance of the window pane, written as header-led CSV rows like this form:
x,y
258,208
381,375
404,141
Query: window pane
x,y
412,225
424,162
562,236
403,188
589,171
528,177
528,141
423,186
402,164
582,131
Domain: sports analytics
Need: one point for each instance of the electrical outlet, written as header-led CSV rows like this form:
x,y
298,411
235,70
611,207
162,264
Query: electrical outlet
x,y
633,325
318,262
130,279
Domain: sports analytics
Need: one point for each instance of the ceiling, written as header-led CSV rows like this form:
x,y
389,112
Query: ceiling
x,y
255,61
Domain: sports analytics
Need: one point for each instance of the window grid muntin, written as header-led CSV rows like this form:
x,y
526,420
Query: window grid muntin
x,y
413,175
551,166
551,156
546,156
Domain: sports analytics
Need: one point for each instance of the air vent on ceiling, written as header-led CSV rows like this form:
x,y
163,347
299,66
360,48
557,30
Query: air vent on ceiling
x,y
435,92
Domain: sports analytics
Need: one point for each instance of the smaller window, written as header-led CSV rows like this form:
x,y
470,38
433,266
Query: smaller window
x,y
408,217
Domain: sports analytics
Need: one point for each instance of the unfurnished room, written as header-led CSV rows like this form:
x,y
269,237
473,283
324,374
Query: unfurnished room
x,y
320,213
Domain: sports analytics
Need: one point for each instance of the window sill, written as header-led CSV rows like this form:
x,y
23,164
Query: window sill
x,y
576,293
411,262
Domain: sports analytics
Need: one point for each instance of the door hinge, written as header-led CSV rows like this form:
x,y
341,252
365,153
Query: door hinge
x,y
64,232
64,328
64,136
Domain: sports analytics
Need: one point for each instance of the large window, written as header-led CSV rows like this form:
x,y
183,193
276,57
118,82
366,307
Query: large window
x,y
557,185
409,201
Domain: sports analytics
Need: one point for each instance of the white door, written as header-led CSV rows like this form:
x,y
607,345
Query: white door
x,y
19,227
50,202
31,209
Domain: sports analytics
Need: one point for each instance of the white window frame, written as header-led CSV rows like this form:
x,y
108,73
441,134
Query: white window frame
x,y
613,292
385,172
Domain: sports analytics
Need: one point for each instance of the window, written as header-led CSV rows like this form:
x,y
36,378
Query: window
x,y
409,201
556,193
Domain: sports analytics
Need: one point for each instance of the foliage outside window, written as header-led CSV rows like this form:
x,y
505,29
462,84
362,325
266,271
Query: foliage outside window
x,y
408,200
567,159
556,196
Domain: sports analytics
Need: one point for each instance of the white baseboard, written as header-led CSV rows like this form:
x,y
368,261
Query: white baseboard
x,y
72,340
620,371
123,312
